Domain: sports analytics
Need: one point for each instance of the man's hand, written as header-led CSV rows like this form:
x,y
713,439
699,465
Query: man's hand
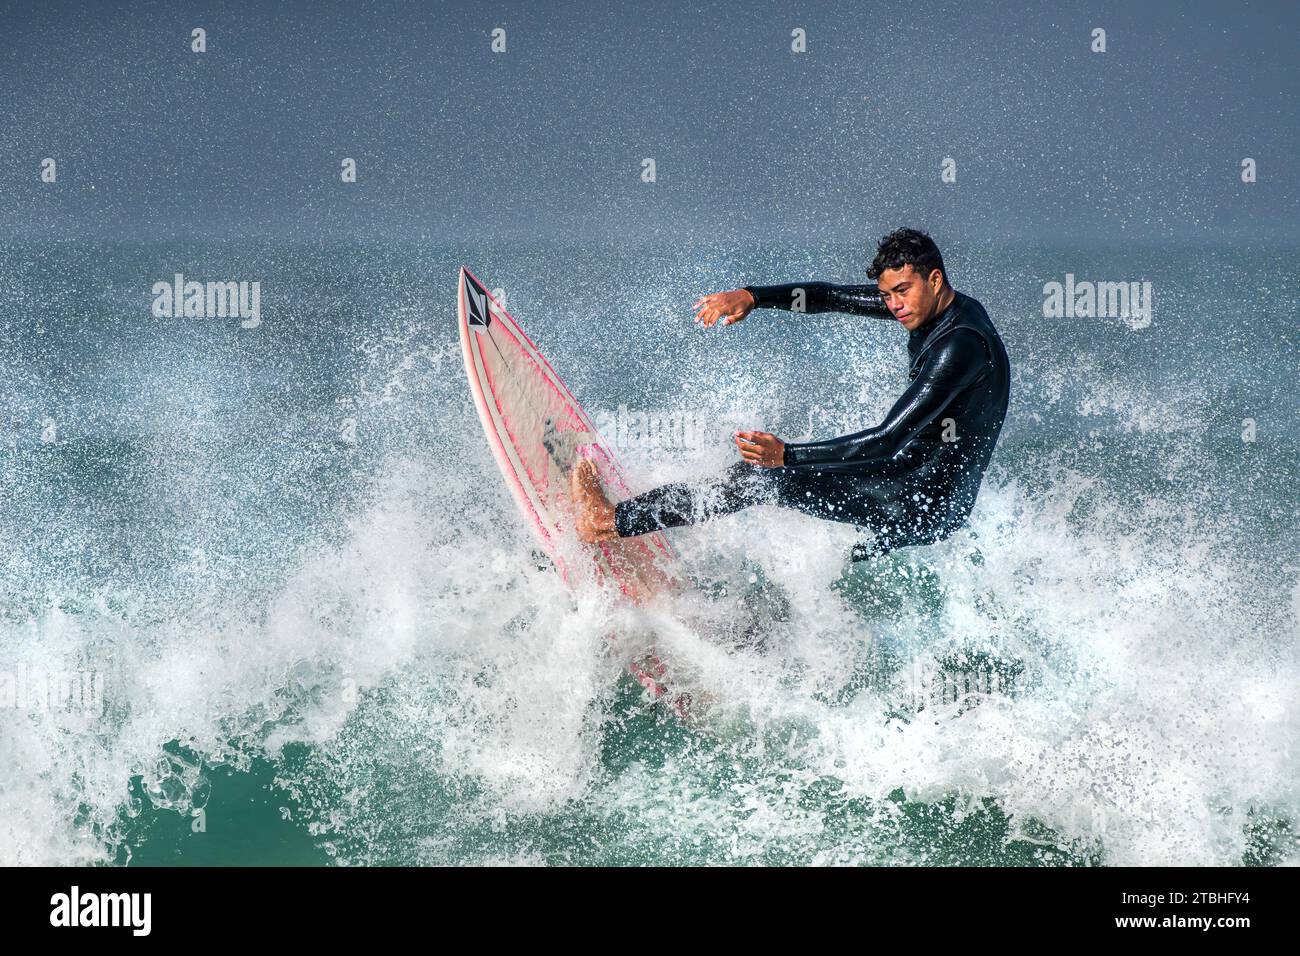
x,y
729,306
761,448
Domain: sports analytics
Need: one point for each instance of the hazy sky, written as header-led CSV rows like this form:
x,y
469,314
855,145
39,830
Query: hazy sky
x,y
1050,140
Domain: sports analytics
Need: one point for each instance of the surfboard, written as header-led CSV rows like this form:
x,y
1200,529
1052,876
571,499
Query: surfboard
x,y
537,432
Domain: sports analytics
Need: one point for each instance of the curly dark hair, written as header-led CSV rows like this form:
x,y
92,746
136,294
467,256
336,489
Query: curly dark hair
x,y
907,247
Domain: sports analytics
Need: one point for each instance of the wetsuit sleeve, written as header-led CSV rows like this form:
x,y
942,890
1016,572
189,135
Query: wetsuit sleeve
x,y
957,361
820,297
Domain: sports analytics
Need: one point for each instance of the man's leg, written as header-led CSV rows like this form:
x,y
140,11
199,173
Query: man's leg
x,y
830,497
678,504
879,506
668,506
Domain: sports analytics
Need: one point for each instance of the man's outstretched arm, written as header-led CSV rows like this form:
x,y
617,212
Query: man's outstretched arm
x,y
820,297
731,307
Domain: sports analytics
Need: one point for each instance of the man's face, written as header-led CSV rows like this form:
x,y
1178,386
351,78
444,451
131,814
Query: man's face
x,y
912,298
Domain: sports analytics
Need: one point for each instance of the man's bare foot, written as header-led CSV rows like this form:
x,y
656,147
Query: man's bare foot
x,y
594,518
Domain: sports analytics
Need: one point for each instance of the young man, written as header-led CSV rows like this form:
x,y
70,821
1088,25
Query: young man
x,y
913,478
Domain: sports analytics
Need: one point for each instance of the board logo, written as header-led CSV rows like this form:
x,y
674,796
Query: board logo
x,y
477,300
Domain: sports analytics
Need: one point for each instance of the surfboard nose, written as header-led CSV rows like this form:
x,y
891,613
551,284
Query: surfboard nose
x,y
478,311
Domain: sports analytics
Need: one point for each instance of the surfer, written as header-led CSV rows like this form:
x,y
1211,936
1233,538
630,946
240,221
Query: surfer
x,y
913,478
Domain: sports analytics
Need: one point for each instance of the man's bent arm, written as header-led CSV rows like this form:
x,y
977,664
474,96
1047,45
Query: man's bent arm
x,y
820,297
959,359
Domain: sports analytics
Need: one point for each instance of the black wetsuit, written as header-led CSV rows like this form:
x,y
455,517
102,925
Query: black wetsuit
x,y
913,478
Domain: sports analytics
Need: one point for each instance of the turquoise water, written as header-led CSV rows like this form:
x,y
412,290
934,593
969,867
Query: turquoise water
x,y
322,639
